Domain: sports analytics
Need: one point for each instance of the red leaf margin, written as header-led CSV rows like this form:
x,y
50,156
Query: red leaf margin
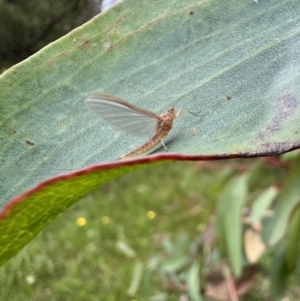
x,y
281,148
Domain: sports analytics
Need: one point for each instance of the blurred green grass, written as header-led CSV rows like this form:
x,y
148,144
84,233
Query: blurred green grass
x,y
71,260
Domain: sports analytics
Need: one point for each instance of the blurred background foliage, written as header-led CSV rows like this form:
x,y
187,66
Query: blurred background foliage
x,y
27,26
158,226
183,231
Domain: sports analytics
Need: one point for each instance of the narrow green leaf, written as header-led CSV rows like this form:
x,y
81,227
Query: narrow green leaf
x,y
174,264
229,223
124,248
279,271
262,203
136,278
289,198
193,282
293,242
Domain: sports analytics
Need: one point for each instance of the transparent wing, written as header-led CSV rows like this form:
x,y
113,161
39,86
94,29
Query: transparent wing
x,y
122,115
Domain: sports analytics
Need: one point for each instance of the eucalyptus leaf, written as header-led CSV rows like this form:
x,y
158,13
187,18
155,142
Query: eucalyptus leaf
x,y
234,64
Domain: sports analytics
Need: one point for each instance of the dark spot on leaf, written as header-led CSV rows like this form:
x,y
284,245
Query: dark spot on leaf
x,y
29,142
286,106
191,12
14,132
84,44
229,97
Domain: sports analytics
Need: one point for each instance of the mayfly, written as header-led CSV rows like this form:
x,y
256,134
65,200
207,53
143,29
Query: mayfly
x,y
133,120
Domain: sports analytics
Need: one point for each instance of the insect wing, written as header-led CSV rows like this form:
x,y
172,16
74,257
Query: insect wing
x,y
122,115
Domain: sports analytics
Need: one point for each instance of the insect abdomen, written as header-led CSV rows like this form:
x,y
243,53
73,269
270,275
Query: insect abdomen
x,y
144,148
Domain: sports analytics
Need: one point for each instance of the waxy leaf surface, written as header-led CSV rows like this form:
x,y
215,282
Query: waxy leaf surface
x,y
233,63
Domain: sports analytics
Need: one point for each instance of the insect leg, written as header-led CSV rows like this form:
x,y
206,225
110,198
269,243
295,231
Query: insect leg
x,y
162,142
